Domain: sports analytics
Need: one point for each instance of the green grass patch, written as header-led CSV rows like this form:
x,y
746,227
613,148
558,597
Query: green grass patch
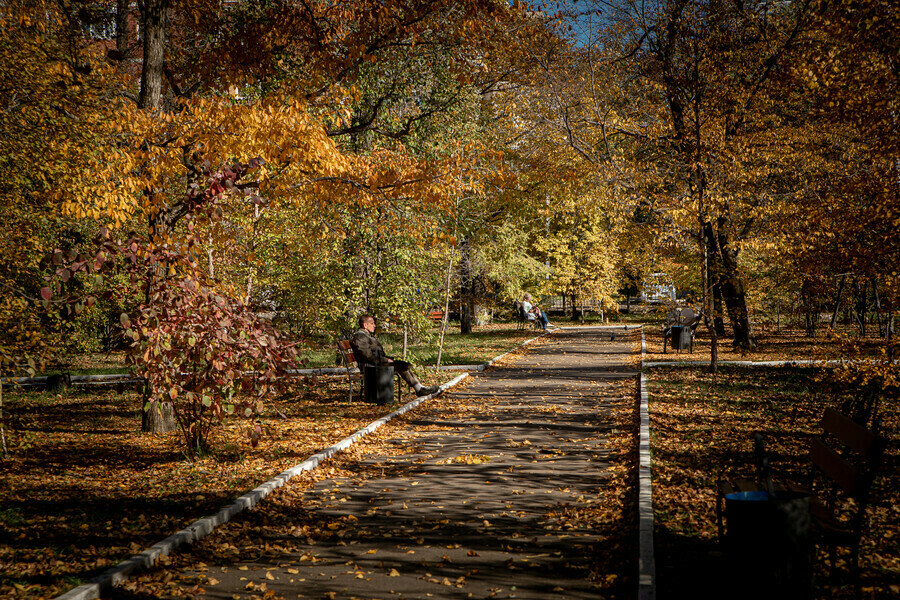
x,y
482,345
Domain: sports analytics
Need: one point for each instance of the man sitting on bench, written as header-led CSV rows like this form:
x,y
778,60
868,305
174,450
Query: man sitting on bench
x,y
368,350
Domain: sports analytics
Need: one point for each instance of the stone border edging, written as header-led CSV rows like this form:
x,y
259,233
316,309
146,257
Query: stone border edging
x,y
746,363
203,527
646,556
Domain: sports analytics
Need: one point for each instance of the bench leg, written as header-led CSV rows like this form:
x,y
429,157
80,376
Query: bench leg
x,y
349,387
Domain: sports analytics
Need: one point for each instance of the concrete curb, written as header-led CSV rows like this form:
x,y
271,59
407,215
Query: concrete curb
x,y
203,527
747,363
646,557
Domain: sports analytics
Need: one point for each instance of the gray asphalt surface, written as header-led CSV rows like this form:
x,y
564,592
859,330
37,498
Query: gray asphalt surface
x,y
481,500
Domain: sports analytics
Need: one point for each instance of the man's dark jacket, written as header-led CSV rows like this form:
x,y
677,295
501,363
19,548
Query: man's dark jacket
x,y
367,349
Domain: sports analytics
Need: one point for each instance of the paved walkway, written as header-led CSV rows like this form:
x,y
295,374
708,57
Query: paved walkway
x,y
496,490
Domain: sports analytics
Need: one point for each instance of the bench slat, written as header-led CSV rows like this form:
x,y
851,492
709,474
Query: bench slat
x,y
852,434
836,468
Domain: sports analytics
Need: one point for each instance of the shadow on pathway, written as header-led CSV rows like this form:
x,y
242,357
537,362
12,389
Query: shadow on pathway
x,y
506,487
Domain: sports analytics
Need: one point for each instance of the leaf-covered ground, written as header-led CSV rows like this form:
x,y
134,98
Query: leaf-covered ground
x,y
287,549
85,489
774,344
703,424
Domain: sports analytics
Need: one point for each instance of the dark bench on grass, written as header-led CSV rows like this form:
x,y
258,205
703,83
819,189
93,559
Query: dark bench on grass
x,y
843,462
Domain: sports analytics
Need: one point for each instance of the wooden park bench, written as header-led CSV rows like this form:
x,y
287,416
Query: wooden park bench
x,y
436,316
843,462
348,360
681,326
522,320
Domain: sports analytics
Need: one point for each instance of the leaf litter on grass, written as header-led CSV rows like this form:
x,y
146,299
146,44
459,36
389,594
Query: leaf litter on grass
x,y
703,426
290,512
84,489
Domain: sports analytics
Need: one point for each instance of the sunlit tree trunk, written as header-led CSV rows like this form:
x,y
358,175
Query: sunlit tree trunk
x,y
160,418
734,293
714,266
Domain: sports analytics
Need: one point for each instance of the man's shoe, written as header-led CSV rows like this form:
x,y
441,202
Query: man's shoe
x,y
427,391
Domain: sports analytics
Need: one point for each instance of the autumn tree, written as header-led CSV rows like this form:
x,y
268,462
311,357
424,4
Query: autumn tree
x,y
838,235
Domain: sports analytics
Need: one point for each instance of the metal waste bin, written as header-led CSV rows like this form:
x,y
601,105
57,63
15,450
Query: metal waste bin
x,y
379,383
768,544
681,337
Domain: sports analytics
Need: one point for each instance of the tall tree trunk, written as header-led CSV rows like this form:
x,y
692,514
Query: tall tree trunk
x,y
708,307
575,315
837,302
734,293
160,418
810,307
466,289
2,424
717,301
153,19
122,38
877,299
862,306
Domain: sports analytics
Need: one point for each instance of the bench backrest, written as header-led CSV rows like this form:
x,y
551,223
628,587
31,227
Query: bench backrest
x,y
346,351
520,312
847,453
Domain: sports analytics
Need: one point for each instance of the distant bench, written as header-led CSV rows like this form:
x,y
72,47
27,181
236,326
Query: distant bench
x,y
435,316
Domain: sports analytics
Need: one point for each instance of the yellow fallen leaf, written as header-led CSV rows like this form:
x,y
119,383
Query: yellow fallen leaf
x,y
394,573
212,581
269,576
243,568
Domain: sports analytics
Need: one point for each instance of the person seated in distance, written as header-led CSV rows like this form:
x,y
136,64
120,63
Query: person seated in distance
x,y
369,351
532,312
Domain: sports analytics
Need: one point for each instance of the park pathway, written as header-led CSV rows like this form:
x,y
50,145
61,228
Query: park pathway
x,y
500,488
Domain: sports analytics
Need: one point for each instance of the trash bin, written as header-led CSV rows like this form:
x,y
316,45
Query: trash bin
x,y
379,384
681,337
768,544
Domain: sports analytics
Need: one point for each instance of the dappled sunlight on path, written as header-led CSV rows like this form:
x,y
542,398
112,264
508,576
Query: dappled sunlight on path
x,y
514,485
